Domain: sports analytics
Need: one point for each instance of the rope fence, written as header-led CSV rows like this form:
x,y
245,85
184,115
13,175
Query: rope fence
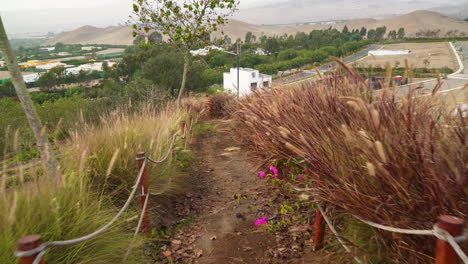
x,y
31,250
449,231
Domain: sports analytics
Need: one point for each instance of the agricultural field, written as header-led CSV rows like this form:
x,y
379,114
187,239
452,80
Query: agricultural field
x,y
422,55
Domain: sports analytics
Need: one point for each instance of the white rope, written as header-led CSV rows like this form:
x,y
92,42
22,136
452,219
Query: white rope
x,y
168,151
342,242
436,231
138,226
39,257
397,230
89,236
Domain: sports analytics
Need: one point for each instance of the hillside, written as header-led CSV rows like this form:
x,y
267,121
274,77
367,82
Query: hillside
x,y
413,23
93,35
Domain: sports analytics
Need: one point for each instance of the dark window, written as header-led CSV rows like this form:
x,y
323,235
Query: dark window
x,y
253,86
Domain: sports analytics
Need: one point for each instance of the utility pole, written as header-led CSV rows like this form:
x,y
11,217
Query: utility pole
x,y
237,54
238,67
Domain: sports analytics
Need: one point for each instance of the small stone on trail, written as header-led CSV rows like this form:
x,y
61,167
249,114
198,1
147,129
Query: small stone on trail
x,y
198,252
232,149
213,238
246,248
226,154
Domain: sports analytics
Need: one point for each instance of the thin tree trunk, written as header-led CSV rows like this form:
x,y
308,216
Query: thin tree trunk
x,y
43,143
184,79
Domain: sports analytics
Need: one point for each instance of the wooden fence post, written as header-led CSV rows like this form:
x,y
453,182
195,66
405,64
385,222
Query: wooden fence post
x,y
182,128
28,243
444,251
319,234
145,225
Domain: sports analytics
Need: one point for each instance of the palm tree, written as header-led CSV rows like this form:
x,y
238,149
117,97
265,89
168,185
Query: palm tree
x,y
45,147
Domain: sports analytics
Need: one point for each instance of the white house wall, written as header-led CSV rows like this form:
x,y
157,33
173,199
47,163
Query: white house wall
x,y
245,81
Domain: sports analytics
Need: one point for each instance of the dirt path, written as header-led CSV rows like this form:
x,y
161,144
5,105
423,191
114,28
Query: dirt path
x,y
225,200
222,201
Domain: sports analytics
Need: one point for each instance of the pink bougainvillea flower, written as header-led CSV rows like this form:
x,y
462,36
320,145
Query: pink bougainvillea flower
x,y
273,169
300,177
261,221
262,175
308,171
275,175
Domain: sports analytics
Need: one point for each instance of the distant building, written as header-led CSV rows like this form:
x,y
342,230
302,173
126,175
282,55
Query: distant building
x,y
249,81
49,66
30,78
2,63
88,67
382,52
89,48
260,51
205,51
48,48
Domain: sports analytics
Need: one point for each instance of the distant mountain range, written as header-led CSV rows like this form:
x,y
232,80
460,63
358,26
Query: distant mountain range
x,y
413,23
295,11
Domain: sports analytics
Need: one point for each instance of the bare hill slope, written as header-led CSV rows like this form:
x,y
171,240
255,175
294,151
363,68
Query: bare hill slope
x,y
93,35
414,22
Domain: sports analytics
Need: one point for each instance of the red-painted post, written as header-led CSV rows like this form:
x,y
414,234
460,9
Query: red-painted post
x,y
182,128
445,254
319,234
29,243
145,225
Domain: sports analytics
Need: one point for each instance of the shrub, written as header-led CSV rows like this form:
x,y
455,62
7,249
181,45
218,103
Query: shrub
x,y
287,54
392,160
218,105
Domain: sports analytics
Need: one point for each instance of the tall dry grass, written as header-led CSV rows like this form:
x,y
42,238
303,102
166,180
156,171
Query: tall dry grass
x,y
398,161
116,141
99,170
59,213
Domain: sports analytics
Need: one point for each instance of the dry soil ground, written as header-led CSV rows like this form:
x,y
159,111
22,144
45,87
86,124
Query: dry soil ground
x,y
439,54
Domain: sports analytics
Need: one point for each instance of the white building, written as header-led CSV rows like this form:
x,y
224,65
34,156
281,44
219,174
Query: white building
x,y
31,77
260,51
88,67
382,52
48,48
49,66
205,51
89,48
249,81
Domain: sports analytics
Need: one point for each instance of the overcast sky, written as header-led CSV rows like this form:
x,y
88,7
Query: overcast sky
x,y
35,17
14,5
